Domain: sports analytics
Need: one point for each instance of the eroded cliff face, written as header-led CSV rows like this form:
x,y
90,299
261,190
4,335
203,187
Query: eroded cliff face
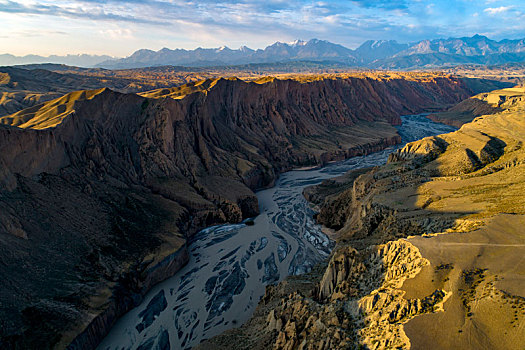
x,y
100,190
355,302
424,234
358,302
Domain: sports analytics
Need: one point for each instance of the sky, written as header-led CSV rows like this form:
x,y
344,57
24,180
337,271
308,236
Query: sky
x,y
120,27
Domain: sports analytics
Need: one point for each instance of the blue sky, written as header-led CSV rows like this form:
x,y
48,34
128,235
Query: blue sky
x,y
119,27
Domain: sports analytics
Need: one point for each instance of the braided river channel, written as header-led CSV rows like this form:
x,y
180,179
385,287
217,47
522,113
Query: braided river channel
x,y
230,265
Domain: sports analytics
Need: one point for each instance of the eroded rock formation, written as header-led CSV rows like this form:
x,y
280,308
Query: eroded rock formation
x,y
100,189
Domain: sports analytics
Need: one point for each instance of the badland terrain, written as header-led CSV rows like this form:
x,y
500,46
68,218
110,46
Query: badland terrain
x,y
106,175
429,247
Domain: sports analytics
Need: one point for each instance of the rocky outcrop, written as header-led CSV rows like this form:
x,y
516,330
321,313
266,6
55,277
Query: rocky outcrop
x,y
359,301
100,189
356,302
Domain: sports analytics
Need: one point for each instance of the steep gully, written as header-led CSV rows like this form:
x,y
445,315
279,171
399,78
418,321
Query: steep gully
x,y
230,264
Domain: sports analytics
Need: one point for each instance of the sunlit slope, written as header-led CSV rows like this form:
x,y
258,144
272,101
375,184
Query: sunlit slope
x,y
467,186
48,114
481,167
481,104
183,90
482,182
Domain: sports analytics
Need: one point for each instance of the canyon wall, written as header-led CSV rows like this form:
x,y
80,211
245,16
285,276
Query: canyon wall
x,y
100,188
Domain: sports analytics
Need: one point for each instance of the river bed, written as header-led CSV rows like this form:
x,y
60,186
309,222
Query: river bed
x,y
230,265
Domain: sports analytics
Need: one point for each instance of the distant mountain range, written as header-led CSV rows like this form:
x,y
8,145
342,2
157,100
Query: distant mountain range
x,y
70,60
224,56
388,54
377,54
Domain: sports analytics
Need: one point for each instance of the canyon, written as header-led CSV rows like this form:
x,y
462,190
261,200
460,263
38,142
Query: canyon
x,y
230,265
180,175
429,248
100,191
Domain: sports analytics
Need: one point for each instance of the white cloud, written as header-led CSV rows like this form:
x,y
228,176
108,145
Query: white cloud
x,y
496,10
118,27
119,33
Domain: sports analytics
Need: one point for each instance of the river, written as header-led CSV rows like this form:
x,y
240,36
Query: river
x,y
230,265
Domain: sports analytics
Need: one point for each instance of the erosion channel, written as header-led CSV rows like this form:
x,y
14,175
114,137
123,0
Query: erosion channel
x,y
229,266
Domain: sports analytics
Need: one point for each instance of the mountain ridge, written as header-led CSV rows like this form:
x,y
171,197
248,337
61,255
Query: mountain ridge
x,y
377,54
369,54
81,60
